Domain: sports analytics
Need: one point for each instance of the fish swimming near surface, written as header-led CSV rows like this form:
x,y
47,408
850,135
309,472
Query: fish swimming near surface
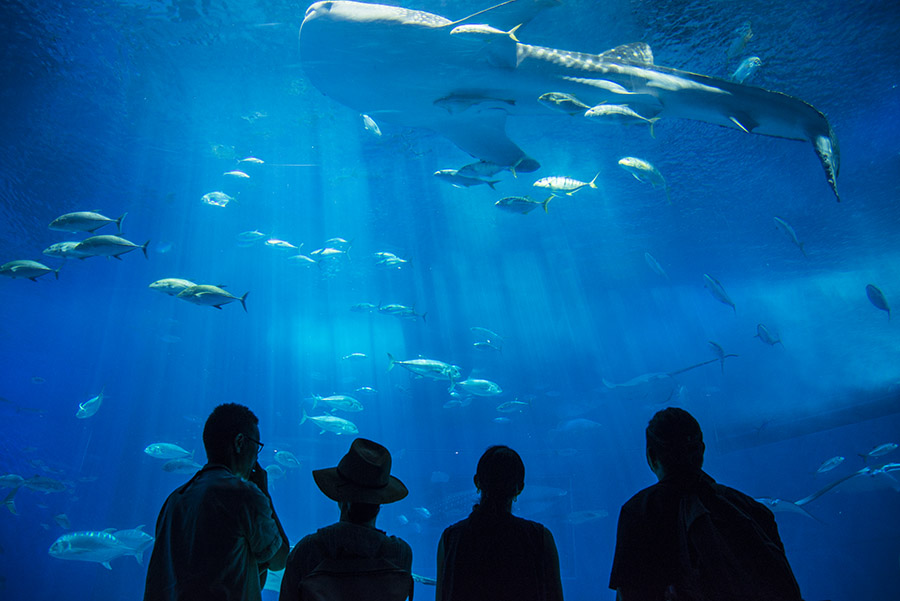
x,y
89,407
876,297
211,296
27,269
718,291
108,246
84,221
171,286
330,423
763,333
405,67
644,171
787,229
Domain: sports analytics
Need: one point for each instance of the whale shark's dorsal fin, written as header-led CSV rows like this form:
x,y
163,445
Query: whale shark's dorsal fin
x,y
508,14
638,52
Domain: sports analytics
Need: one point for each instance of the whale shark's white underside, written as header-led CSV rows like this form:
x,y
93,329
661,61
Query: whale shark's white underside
x,y
403,66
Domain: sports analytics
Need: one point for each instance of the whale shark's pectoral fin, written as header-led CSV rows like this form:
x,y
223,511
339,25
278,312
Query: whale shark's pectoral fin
x,y
638,52
483,135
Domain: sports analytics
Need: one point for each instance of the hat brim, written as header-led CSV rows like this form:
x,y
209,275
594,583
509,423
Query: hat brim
x,y
337,488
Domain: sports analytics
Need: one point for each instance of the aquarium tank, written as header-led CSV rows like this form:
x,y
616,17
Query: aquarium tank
x,y
445,228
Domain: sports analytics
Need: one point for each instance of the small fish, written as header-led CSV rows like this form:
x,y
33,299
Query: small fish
x,y
89,407
478,387
251,236
744,34
354,356
718,292
338,402
366,390
878,451
364,308
302,260
328,253
422,511
401,312
486,333
428,368
655,266
280,244
585,516
620,114
30,270
181,466
370,126
453,177
787,229
402,520
330,423
487,345
210,296
566,185
37,380
501,420
275,471
748,67
171,286
216,199
84,221
830,464
287,459
876,297
644,171
440,477
63,250
763,333
480,32
565,103
108,246
512,406
236,174
166,450
63,521
252,161
520,204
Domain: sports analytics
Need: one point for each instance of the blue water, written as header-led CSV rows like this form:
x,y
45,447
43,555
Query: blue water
x,y
140,107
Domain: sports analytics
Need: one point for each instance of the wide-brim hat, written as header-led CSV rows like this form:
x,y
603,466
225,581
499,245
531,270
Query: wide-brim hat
x,y
362,476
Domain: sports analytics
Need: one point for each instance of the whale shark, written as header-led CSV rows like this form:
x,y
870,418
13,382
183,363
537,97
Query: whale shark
x,y
462,79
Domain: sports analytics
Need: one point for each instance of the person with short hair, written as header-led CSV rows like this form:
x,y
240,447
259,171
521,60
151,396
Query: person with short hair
x,y
218,534
352,559
688,538
493,555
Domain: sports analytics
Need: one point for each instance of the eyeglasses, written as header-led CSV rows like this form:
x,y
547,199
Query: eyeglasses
x,y
259,445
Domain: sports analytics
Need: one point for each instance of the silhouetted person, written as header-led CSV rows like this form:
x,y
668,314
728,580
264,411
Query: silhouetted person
x,y
493,555
688,538
217,534
352,560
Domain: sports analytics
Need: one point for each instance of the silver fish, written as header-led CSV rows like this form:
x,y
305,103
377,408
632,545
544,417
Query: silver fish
x,y
89,407
787,229
63,250
655,266
621,114
171,286
287,459
566,103
108,246
30,270
84,221
644,171
521,204
166,450
566,185
457,180
478,387
830,464
763,333
716,289
210,296
330,423
339,402
748,67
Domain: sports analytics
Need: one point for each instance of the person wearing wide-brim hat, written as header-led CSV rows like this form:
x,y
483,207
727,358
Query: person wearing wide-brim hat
x,y
360,483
